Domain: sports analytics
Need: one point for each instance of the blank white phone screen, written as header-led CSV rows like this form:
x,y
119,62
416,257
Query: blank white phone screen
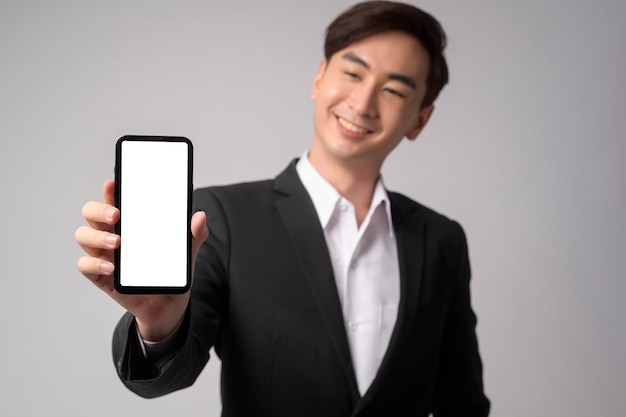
x,y
153,208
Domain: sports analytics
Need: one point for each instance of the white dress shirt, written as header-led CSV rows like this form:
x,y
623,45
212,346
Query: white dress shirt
x,y
365,264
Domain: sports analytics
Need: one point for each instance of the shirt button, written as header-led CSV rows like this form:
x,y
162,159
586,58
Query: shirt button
x,y
344,207
354,264
352,325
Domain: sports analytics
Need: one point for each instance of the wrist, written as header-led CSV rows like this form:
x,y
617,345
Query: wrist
x,y
151,332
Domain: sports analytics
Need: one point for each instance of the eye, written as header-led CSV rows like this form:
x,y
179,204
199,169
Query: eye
x,y
395,92
352,75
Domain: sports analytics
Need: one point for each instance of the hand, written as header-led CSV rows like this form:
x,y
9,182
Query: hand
x,y
156,315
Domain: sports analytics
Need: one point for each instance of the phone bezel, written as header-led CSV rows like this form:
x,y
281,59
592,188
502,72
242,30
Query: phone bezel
x,y
125,289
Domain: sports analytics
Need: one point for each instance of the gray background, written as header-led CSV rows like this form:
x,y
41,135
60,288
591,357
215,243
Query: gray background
x,y
526,149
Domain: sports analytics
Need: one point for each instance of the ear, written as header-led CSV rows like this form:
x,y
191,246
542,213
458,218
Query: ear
x,y
321,69
420,122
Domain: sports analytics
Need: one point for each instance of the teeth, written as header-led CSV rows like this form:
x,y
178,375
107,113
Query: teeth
x,y
351,127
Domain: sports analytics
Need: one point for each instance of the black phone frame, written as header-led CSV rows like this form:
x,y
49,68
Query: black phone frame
x,y
137,290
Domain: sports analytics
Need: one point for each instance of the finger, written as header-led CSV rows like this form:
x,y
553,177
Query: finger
x,y
95,241
108,192
100,273
100,216
96,270
199,230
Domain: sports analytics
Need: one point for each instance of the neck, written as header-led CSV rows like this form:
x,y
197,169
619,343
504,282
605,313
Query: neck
x,y
353,180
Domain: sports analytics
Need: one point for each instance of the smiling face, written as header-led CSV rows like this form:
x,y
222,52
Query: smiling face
x,y
368,98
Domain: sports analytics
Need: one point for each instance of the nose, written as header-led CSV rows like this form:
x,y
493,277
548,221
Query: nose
x,y
362,100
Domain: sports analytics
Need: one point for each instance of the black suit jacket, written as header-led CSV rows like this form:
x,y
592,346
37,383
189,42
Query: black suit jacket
x,y
264,296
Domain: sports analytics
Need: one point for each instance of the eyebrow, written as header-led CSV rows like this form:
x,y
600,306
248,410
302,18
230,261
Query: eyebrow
x,y
404,79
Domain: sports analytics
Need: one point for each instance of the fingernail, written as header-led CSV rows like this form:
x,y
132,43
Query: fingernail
x,y
106,267
109,213
110,239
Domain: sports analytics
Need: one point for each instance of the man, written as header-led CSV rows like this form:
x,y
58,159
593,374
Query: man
x,y
323,293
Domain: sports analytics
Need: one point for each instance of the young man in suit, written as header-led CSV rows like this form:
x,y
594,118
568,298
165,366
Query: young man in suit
x,y
323,293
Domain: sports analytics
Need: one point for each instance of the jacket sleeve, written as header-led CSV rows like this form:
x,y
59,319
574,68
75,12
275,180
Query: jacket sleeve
x,y
459,383
200,329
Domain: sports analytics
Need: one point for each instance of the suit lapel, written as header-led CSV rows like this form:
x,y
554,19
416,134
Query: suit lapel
x,y
300,218
410,241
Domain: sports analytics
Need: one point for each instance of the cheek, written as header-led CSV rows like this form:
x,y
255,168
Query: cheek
x,y
332,90
401,118
391,117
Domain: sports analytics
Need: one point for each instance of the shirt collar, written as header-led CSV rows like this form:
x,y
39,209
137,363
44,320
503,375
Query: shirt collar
x,y
326,198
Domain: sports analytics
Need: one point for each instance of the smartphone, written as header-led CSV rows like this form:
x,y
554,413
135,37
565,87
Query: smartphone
x,y
153,191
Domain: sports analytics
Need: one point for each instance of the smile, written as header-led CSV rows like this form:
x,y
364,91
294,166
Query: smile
x,y
352,127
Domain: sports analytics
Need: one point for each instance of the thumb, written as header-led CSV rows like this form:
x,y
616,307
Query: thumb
x,y
199,231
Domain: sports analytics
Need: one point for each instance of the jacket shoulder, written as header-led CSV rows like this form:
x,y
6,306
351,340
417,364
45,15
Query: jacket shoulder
x,y
418,212
413,207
